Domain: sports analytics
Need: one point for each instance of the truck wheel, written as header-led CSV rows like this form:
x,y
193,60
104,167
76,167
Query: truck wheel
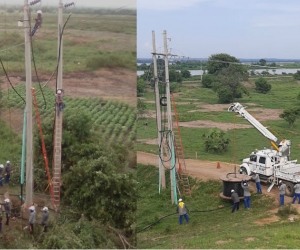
x,y
243,171
289,189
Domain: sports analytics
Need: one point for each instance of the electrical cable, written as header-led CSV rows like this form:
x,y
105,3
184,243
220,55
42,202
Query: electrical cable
x,y
192,211
10,81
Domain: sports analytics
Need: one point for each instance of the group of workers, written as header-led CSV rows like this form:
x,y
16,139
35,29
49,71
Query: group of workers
x,y
6,171
32,216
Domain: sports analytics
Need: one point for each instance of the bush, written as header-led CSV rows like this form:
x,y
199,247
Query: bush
x,y
216,141
207,81
286,210
262,86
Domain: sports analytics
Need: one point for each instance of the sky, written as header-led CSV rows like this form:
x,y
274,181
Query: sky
x,y
131,4
241,28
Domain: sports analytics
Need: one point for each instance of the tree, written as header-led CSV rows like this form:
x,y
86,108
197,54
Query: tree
x,y
216,141
141,108
141,85
262,85
186,73
175,76
297,75
207,80
290,115
262,62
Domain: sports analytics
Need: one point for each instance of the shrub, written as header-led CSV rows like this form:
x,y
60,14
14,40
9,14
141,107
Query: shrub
x,y
262,86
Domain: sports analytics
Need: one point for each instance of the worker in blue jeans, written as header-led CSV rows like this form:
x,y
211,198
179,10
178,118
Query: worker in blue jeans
x,y
281,187
297,193
182,210
256,178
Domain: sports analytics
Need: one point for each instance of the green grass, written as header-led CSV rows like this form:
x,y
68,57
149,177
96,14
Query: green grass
x,y
210,227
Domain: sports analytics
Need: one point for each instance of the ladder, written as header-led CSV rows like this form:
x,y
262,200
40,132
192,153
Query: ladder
x,y
43,147
56,181
182,175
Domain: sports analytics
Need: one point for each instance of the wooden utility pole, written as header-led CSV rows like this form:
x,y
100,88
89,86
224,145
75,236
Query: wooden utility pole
x,y
29,136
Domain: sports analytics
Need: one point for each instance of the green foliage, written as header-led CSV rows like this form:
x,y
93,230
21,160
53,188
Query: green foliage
x,y
297,75
207,80
262,62
141,107
290,115
185,73
224,94
141,86
286,210
175,76
216,141
262,85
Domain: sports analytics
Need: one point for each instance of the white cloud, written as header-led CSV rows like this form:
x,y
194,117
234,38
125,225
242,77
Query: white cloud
x,y
167,4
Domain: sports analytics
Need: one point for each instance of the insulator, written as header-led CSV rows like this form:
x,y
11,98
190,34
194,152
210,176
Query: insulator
x,y
34,2
69,4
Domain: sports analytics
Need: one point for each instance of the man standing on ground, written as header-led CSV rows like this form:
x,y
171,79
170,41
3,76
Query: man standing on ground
x,y
236,201
297,193
256,178
45,218
7,210
1,174
182,210
247,194
31,218
282,188
8,172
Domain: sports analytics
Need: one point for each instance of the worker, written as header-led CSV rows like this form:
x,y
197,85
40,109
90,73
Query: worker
x,y
45,218
281,187
1,174
247,194
182,210
296,193
7,210
59,100
8,171
38,22
31,218
236,201
256,178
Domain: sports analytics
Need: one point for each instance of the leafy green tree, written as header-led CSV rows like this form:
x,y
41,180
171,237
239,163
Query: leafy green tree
x,y
262,62
141,107
186,73
216,141
290,115
262,85
141,86
175,76
207,80
297,75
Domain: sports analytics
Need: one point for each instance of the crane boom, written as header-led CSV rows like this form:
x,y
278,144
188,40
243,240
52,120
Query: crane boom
x,y
238,108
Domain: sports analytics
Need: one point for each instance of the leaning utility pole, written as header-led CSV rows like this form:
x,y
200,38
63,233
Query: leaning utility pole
x,y
29,136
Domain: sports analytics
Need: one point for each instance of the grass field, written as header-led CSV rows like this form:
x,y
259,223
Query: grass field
x,y
212,225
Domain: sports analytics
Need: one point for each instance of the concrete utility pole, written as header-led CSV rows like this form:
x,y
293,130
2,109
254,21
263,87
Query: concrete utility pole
x,y
169,115
29,136
162,178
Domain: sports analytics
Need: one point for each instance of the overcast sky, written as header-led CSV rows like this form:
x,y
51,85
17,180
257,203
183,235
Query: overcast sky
x,y
81,3
241,28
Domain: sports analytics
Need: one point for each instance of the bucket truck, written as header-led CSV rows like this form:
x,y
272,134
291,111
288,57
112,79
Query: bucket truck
x,y
272,164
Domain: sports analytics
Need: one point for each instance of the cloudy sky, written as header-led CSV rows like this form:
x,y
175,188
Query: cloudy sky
x,y
81,3
241,28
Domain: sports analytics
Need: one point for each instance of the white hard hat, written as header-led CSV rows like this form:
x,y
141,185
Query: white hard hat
x,y
6,200
280,181
32,208
45,209
1,166
245,183
8,162
59,91
180,200
39,12
232,190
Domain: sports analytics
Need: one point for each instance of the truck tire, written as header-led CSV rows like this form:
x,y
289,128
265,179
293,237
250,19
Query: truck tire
x,y
289,189
243,171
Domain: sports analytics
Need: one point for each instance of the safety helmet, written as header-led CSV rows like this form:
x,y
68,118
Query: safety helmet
x,y
280,181
232,190
6,200
59,91
39,12
245,184
45,209
8,162
32,208
180,200
1,166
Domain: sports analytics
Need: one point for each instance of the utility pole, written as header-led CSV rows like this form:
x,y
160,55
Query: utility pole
x,y
29,136
162,178
58,114
169,115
